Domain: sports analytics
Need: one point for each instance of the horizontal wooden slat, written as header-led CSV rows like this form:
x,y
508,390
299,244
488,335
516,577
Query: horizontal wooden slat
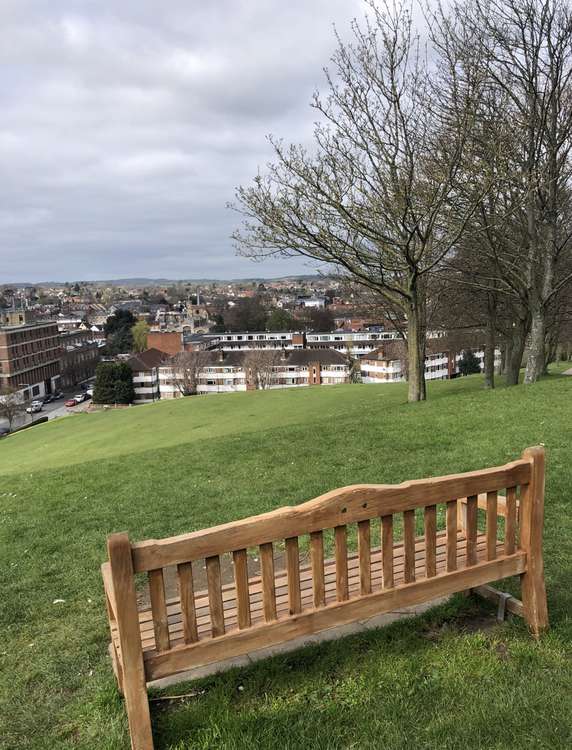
x,y
339,507
513,605
241,642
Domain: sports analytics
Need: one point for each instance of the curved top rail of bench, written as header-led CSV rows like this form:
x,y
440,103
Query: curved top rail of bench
x,y
339,507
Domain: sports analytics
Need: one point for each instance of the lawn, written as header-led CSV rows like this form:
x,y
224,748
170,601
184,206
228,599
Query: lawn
x,y
434,682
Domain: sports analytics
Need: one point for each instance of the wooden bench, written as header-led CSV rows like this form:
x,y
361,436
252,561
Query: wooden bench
x,y
204,627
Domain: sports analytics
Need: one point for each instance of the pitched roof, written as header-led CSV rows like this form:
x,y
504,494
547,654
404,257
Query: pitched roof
x,y
146,360
304,357
292,357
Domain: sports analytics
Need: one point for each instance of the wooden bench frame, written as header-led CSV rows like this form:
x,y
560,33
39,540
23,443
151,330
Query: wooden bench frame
x,y
167,640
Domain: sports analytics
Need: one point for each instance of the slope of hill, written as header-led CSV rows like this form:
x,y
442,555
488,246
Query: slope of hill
x,y
173,467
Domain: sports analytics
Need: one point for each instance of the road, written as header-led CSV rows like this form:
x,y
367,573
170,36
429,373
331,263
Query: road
x,y
51,411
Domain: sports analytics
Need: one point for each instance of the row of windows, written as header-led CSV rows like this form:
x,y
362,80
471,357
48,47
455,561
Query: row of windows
x,y
258,337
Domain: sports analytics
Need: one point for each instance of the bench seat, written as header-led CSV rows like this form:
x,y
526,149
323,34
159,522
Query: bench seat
x,y
229,592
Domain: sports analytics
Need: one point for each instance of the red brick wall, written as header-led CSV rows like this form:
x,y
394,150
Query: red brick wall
x,y
314,373
170,342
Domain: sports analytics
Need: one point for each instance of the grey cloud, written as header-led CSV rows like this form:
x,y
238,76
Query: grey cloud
x,y
126,127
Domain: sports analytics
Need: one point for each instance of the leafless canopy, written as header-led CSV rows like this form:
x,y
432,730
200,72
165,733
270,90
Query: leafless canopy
x,y
259,366
11,405
186,368
378,196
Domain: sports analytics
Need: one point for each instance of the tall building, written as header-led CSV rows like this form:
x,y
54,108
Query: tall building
x,y
30,358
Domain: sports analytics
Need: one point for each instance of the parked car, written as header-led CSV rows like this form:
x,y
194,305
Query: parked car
x,y
57,395
80,398
35,407
71,402
4,430
48,398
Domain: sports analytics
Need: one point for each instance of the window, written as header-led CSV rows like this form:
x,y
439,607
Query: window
x,y
36,390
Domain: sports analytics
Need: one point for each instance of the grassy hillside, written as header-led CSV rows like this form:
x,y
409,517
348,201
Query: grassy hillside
x,y
174,467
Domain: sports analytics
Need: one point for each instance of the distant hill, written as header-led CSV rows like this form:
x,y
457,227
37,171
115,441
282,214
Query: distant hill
x,y
143,281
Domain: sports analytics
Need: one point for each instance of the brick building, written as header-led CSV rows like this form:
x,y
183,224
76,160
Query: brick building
x,y
80,355
30,358
168,342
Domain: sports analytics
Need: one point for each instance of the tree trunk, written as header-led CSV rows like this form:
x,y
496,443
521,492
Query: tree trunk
x,y
514,352
415,350
537,353
490,349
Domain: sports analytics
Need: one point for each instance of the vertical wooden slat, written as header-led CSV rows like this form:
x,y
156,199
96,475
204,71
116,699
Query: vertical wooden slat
x,y
462,514
364,552
187,595
341,546
451,535
240,560
510,521
268,583
317,560
214,587
492,509
471,529
293,570
409,545
430,540
159,609
387,551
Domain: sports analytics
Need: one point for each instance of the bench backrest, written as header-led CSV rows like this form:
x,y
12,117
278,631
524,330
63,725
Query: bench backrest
x,y
474,560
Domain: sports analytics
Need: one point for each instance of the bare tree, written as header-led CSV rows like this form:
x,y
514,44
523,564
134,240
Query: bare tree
x,y
379,197
259,365
186,368
524,51
11,405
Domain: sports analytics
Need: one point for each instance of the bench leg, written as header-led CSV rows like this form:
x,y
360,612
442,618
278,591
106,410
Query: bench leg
x,y
534,599
532,522
137,705
133,670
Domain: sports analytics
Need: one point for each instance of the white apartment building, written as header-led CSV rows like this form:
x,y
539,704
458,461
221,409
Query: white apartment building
x,y
145,367
383,366
229,342
228,372
347,342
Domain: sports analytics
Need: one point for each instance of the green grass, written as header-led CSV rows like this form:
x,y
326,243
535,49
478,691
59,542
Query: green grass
x,y
435,682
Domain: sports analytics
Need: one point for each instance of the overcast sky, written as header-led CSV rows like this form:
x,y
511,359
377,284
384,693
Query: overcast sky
x,y
125,126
